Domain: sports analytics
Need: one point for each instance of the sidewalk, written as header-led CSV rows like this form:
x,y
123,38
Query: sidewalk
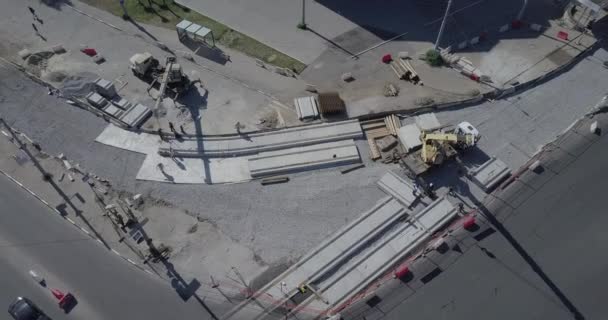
x,y
502,51
274,22
201,256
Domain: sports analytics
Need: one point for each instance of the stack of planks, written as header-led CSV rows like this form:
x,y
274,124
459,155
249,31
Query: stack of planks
x,y
404,70
379,128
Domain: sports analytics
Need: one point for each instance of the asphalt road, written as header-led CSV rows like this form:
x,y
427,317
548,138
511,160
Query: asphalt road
x,y
552,263
106,287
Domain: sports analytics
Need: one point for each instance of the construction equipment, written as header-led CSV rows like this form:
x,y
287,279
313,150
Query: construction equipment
x,y
438,146
170,76
143,65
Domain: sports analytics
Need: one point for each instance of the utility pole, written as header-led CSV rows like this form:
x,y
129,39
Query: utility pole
x,y
302,24
445,18
522,10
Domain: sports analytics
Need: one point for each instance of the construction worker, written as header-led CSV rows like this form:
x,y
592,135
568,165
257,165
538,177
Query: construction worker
x,y
33,11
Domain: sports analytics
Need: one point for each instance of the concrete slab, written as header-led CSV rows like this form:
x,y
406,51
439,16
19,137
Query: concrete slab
x,y
489,174
96,100
136,116
537,178
105,88
128,140
306,108
419,268
292,160
555,159
397,188
123,104
583,128
515,194
393,246
498,208
443,260
427,122
393,293
445,252
194,171
248,144
573,143
113,110
329,256
436,214
409,136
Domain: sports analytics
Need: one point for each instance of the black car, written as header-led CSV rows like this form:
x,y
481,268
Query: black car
x,y
25,309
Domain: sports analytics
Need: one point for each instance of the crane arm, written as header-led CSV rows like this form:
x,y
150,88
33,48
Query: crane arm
x,y
467,139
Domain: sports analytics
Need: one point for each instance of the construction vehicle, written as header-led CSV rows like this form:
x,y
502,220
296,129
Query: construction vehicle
x,y
438,146
170,76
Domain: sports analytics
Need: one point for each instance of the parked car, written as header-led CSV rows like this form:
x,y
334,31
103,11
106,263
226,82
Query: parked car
x,y
24,309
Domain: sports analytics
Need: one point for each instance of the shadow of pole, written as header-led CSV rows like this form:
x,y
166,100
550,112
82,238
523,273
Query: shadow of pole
x,y
196,118
531,262
185,290
142,29
466,192
518,275
333,43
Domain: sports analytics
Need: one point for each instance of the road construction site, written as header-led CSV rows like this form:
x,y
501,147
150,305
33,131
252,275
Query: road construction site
x,y
304,216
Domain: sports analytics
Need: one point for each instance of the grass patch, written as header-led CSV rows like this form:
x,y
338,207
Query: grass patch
x,y
433,58
166,13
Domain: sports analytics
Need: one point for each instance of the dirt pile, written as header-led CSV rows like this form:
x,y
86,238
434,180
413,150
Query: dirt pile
x,y
38,61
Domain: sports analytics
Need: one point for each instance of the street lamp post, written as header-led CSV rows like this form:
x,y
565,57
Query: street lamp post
x,y
520,15
302,24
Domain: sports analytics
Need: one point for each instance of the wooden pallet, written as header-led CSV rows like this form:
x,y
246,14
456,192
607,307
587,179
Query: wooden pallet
x,y
373,149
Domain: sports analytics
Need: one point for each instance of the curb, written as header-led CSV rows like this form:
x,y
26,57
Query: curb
x,y
138,266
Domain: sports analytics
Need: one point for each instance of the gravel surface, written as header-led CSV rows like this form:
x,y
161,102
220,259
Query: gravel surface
x,y
279,222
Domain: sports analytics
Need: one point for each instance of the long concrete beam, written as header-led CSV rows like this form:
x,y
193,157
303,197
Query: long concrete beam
x,y
304,158
249,144
321,259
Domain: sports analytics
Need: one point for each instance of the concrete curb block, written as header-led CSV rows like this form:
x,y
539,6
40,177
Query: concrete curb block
x,y
73,222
